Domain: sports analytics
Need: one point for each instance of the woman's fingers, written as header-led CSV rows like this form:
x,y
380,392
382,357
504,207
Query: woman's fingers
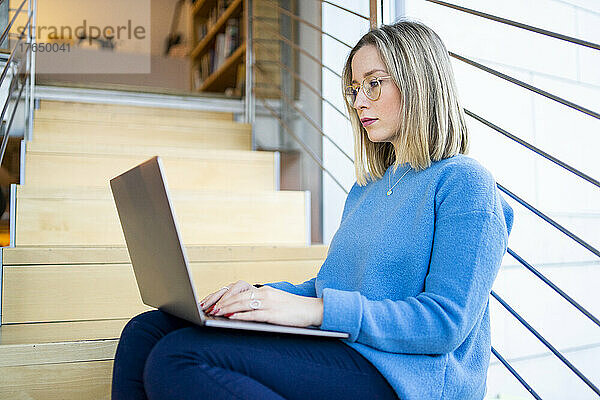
x,y
234,289
223,294
242,302
212,298
255,315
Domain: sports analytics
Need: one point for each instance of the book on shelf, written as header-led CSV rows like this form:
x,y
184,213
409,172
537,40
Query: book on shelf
x,y
197,77
218,10
212,18
240,80
232,36
201,31
219,50
226,43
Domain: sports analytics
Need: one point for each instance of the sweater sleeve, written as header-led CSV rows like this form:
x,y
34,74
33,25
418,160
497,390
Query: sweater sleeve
x,y
306,289
466,254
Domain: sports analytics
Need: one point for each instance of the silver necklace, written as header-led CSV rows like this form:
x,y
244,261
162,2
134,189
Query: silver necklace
x,y
389,192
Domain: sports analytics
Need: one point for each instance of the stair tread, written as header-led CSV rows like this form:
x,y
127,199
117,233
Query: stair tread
x,y
57,255
60,332
50,105
163,151
83,127
95,192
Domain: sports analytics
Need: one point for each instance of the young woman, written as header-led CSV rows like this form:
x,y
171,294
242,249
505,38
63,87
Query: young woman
x,y
408,273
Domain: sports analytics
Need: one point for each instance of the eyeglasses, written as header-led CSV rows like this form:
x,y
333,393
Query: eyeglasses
x,y
371,87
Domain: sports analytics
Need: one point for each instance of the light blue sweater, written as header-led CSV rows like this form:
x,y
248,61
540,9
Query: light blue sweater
x,y
409,277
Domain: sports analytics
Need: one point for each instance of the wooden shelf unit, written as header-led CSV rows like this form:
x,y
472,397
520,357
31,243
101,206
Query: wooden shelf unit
x,y
225,75
232,11
230,71
206,76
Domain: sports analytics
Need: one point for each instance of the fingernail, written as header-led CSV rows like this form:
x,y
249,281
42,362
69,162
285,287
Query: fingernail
x,y
228,314
216,312
209,309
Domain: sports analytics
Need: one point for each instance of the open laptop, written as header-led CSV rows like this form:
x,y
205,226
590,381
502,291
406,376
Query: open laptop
x,y
158,256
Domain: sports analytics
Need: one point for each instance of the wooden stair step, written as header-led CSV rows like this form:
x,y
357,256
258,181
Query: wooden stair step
x,y
73,360
65,255
61,361
110,110
90,379
56,332
212,134
88,216
127,119
59,342
57,284
65,165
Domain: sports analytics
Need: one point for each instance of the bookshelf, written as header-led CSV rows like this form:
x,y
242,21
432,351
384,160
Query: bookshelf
x,y
219,47
224,76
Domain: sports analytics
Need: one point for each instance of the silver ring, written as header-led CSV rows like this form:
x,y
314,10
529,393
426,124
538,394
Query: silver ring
x,y
225,287
255,304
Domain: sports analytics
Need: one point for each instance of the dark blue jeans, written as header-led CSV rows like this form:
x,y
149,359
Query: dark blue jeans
x,y
163,357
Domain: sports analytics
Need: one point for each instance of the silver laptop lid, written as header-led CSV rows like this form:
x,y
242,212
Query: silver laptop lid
x,y
153,241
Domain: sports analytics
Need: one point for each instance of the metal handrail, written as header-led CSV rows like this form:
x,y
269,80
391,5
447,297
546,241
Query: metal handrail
x,y
549,220
32,9
296,47
12,117
524,143
8,63
516,24
533,148
557,353
515,374
305,22
313,123
564,350
4,110
344,9
558,290
308,85
527,86
14,18
301,143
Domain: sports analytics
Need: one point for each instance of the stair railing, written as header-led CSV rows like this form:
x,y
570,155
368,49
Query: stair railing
x,y
18,72
373,19
19,67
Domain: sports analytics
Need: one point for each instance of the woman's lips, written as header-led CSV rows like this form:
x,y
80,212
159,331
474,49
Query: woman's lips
x,y
368,121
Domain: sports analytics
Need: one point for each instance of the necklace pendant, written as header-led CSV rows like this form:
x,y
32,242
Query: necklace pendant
x,y
389,192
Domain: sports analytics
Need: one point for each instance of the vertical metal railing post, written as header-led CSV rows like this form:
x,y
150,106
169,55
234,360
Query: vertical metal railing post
x,y
286,80
373,14
32,39
27,79
249,96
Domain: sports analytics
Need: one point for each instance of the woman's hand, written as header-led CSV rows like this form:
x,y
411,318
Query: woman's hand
x,y
224,293
267,304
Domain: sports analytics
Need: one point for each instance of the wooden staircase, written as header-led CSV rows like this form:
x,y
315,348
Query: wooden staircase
x,y
68,285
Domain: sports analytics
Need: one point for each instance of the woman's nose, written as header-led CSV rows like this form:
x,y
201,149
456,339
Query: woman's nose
x,y
361,100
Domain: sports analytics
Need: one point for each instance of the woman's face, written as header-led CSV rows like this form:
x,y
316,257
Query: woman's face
x,y
380,118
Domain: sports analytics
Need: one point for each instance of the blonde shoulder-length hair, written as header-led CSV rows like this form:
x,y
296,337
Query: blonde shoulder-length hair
x,y
432,123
